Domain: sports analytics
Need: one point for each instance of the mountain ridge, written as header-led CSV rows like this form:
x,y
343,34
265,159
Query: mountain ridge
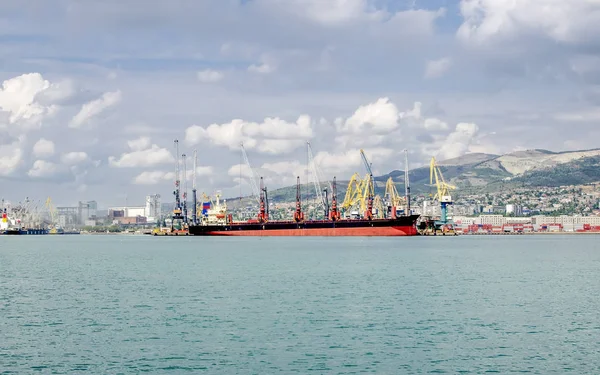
x,y
481,172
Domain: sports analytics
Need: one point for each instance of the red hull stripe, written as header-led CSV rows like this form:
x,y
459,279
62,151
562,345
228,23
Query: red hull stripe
x,y
324,232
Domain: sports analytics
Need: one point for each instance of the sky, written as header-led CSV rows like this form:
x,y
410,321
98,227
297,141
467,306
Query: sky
x,y
93,94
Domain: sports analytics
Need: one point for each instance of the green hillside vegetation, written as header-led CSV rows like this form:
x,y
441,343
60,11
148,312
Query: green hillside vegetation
x,y
486,176
578,172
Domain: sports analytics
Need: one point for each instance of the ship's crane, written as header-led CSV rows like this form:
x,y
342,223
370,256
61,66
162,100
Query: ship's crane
x,y
442,194
263,214
255,190
406,183
184,195
298,215
317,178
334,214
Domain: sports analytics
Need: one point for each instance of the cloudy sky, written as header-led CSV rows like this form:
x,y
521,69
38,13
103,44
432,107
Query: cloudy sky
x,y
94,93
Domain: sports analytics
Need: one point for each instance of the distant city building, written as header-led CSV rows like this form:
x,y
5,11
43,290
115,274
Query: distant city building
x,y
87,210
153,210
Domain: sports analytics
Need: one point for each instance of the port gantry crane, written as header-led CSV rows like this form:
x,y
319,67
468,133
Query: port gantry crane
x,y
443,192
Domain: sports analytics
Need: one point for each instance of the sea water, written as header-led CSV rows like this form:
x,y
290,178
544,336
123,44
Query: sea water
x,y
141,304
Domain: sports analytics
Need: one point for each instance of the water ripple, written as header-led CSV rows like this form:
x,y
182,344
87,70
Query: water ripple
x,y
126,305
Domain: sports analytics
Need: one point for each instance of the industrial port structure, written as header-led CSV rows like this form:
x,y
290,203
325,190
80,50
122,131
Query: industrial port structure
x,y
360,202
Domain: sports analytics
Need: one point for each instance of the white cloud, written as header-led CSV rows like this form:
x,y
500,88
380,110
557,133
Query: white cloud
x,y
142,155
435,124
42,169
139,144
332,163
263,68
18,97
437,68
43,148
458,142
562,21
278,173
328,13
203,171
94,108
272,136
153,177
586,115
373,118
10,158
210,76
74,158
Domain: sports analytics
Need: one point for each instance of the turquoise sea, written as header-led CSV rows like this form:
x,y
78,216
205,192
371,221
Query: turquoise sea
x,y
141,304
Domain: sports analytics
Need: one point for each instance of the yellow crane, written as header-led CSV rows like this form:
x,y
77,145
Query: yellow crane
x,y
353,193
391,193
54,227
379,207
442,194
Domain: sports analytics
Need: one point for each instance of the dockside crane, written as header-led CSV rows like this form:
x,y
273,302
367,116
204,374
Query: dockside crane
x,y
194,191
392,196
369,187
442,194
185,189
177,210
353,193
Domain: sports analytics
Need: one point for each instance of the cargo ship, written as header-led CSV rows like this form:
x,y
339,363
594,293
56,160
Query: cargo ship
x,y
215,221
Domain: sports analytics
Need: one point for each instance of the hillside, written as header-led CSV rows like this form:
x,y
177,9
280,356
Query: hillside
x,y
478,173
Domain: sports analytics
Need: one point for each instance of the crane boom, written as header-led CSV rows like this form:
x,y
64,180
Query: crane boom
x,y
406,182
255,191
366,161
184,195
316,177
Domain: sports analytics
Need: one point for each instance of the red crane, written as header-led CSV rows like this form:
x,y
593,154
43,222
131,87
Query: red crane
x,y
298,215
334,214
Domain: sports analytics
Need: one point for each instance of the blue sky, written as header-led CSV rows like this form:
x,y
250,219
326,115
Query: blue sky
x,y
94,93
